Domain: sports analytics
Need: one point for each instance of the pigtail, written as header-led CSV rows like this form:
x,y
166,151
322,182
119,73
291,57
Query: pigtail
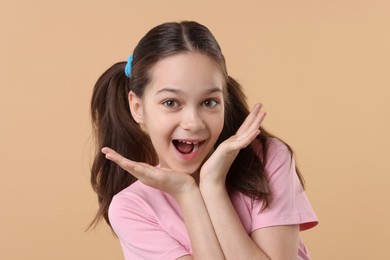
x,y
247,173
114,127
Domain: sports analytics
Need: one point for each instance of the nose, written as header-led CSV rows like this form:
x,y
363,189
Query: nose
x,y
192,121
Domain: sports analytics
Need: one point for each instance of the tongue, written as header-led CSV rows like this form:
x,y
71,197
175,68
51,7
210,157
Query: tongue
x,y
184,148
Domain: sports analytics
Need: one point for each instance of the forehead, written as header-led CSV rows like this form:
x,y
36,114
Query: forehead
x,y
189,71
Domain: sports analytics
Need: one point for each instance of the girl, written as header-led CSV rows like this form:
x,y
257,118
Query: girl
x,y
190,173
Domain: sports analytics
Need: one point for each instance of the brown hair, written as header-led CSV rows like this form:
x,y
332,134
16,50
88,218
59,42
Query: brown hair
x,y
115,127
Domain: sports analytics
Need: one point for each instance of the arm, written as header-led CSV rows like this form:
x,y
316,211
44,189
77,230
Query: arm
x,y
182,186
269,243
234,240
204,241
279,242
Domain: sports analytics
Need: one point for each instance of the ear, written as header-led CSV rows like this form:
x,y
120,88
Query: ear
x,y
136,108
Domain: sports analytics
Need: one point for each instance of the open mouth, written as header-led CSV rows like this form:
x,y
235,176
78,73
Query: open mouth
x,y
186,147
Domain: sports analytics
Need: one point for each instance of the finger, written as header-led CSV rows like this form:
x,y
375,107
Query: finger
x,y
253,121
252,117
106,150
123,162
257,121
144,172
236,143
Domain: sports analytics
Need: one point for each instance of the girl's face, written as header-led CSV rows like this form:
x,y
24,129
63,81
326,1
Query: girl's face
x,y
182,109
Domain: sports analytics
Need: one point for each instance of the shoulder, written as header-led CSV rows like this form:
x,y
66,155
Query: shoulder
x,y
142,219
278,156
137,189
276,147
135,206
135,195
289,204
135,200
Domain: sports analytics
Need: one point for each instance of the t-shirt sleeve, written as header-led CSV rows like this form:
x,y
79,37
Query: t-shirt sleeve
x,y
140,235
289,204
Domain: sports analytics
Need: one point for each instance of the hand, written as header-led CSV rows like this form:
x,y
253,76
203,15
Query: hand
x,y
163,179
217,166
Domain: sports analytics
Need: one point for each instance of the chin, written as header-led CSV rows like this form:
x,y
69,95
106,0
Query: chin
x,y
194,169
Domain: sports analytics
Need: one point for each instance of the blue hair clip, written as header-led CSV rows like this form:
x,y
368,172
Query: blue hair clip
x,y
128,66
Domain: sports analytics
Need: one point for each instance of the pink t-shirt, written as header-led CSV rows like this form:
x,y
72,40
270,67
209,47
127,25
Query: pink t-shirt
x,y
150,225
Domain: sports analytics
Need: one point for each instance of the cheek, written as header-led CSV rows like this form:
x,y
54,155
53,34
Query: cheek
x,y
159,127
152,119
216,125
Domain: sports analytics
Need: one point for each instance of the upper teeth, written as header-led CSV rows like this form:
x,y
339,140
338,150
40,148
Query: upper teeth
x,y
188,142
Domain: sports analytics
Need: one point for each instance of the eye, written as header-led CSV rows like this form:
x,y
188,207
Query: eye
x,y
210,103
170,103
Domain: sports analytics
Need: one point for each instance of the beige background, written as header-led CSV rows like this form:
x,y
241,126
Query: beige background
x,y
321,68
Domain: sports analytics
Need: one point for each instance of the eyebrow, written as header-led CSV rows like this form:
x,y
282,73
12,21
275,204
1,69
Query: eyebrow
x,y
180,92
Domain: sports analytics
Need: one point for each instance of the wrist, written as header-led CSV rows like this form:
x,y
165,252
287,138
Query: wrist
x,y
212,179
207,186
187,192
